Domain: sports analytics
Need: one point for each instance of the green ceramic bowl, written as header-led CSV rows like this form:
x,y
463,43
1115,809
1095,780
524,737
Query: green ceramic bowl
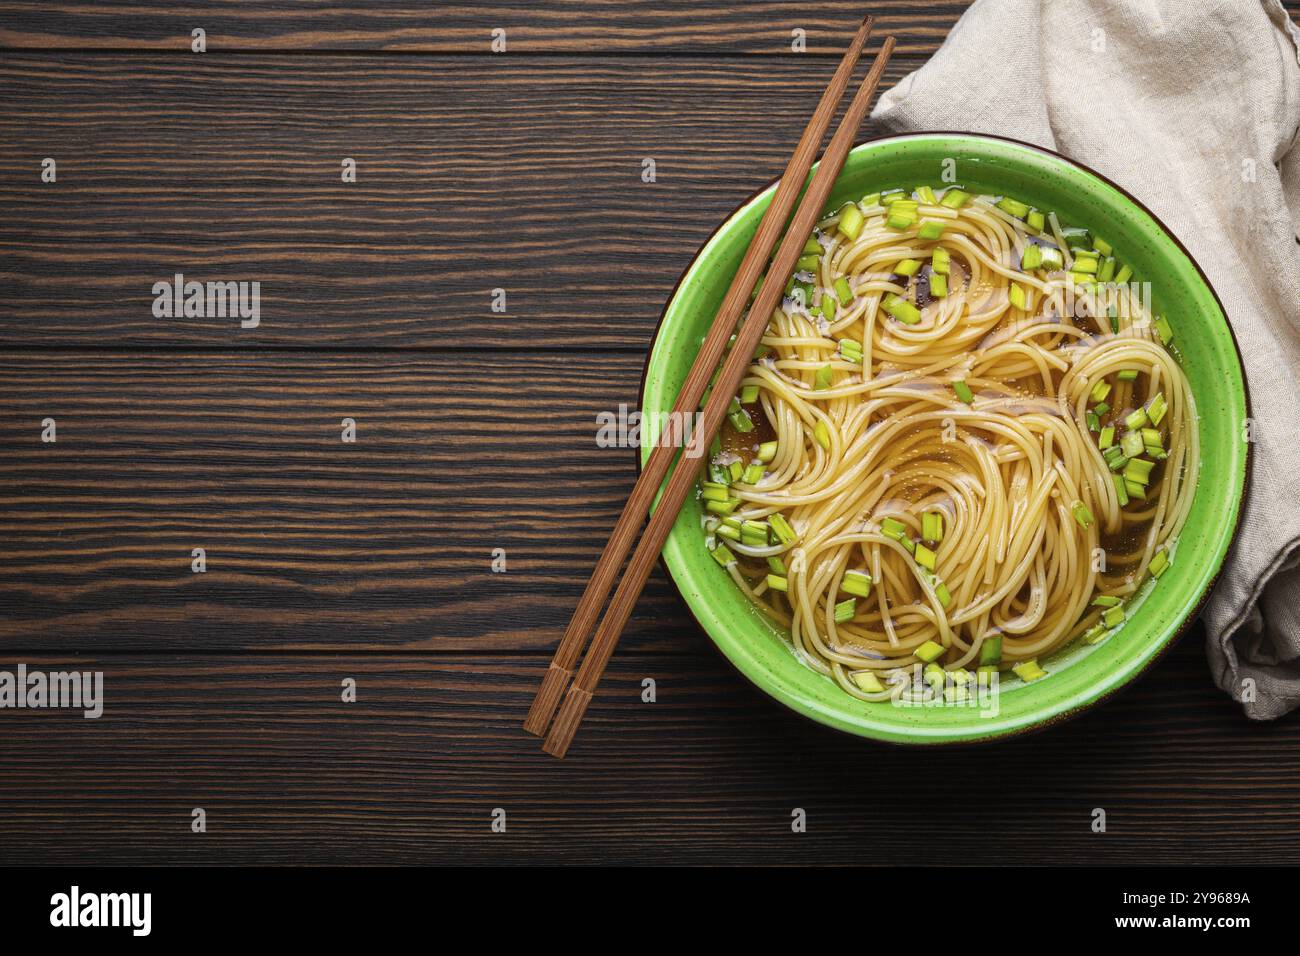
x,y
1080,676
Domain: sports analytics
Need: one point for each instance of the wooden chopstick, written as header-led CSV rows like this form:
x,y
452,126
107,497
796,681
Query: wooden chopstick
x,y
733,369
692,391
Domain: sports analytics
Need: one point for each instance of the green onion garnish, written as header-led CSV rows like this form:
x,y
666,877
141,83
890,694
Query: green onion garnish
x,y
713,491
1127,375
722,554
929,652
1121,490
1017,296
808,263
1107,438
1095,633
741,421
1123,275
893,528
931,229
812,247
822,434
1028,671
850,223
1100,390
1138,470
926,195
723,507
781,529
856,582
901,309
1159,562
767,451
939,261
842,289
954,198
938,285
1157,407
1106,600
907,267
900,220
991,651
1131,444
1013,207
1035,220
777,583
845,610
1113,616
776,565
749,395
754,533
753,473
1031,258
924,557
1052,258
932,526
963,391
1081,514
1165,330
823,378
1136,419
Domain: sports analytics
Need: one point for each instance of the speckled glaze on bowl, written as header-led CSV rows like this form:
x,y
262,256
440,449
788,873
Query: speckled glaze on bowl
x,y
1080,676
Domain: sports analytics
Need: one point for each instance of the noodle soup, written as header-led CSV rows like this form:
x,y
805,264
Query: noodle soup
x,y
963,443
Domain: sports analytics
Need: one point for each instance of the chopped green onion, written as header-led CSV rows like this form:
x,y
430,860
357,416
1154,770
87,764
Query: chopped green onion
x,y
822,434
943,594
871,199
926,195
1094,423
938,285
924,557
867,682
727,531
719,474
1100,390
1102,409
1123,275
845,610
749,395
891,196
931,229
808,263
1165,330
1159,562
940,260
856,582
963,391
842,289
1121,490
781,529
1157,407
1035,220
1081,514
954,198
1029,671
723,507
1107,438
753,473
1151,438
1131,444
932,526
1013,207
1135,489
1031,258
1113,616
1095,633
929,652
823,378
735,470
1076,238
767,451
1052,258
901,309
935,676
776,565
741,421
1017,296
722,554
1138,470
754,533
991,650
1136,419
812,247
893,528
1102,246
713,491
1106,600
907,267
778,583
1127,375
1084,266
900,220
1107,270
850,223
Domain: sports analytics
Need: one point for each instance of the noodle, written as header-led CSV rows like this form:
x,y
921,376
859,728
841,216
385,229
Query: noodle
x,y
952,451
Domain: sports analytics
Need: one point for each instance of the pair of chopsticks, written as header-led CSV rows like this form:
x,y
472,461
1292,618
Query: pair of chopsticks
x,y
688,400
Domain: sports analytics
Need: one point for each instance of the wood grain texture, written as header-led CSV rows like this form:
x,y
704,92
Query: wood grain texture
x,y
589,27
473,174
310,541
411,772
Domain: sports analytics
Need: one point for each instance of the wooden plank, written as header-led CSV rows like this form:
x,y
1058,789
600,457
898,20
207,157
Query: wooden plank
x,y
761,27
412,771
472,174
311,542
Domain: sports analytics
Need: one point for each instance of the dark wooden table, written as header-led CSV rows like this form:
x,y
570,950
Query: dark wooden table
x,y
372,560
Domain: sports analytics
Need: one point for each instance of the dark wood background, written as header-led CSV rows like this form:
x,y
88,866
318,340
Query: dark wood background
x,y
475,431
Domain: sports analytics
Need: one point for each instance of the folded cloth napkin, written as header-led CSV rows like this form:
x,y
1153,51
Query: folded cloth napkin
x,y
1192,106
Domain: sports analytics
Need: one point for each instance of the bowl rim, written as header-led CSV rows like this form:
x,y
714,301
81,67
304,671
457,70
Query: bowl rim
x,y
1194,608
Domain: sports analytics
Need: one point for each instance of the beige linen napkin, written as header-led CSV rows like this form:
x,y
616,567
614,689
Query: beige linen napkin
x,y
1192,106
